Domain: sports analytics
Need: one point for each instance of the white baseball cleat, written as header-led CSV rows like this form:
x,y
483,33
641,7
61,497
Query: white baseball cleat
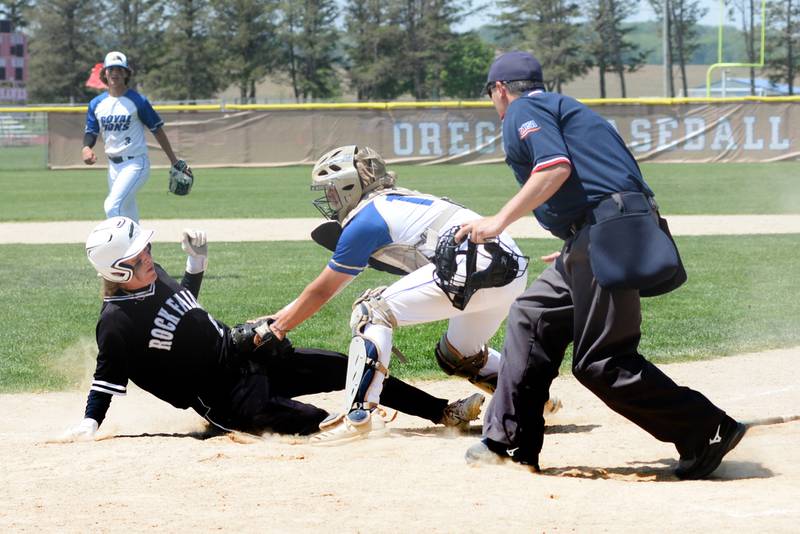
x,y
356,425
460,413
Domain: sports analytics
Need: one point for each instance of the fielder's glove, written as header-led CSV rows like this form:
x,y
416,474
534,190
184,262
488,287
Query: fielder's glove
x,y
181,178
83,431
195,244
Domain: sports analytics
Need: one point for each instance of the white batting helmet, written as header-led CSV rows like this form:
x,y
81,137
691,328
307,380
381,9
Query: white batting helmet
x,y
346,174
111,243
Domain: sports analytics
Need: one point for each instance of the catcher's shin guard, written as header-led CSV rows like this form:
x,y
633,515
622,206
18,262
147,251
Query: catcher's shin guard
x,y
363,361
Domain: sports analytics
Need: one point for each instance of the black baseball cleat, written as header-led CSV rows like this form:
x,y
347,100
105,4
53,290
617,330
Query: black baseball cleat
x,y
729,433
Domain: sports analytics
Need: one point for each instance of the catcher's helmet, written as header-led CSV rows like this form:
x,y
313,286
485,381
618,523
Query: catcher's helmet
x,y
346,174
111,243
461,279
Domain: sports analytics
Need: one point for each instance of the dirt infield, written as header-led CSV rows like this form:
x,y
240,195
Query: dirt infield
x,y
151,469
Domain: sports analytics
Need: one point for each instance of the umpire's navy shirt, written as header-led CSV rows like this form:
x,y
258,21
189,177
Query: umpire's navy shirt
x,y
544,129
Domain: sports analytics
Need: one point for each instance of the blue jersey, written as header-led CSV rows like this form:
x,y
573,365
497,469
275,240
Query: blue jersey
x,y
392,219
544,129
121,121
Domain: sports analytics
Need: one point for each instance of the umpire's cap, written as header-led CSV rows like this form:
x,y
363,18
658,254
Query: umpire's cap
x,y
513,66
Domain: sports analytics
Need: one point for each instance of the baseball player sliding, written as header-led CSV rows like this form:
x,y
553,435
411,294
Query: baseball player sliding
x,y
375,223
153,332
121,114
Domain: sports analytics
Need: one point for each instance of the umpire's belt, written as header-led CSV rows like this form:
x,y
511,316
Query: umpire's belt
x,y
613,205
620,203
120,159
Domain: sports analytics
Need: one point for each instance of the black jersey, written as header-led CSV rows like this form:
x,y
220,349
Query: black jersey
x,y
160,338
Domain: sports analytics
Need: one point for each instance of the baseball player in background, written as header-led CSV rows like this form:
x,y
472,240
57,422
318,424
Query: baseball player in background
x,y
395,230
121,115
153,331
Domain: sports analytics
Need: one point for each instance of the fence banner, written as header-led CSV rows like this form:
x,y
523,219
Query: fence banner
x,y
739,131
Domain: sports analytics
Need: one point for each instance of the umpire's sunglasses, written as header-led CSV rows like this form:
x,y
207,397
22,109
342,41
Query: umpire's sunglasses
x,y
490,86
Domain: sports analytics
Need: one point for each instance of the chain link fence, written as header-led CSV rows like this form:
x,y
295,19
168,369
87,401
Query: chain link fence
x,y
23,141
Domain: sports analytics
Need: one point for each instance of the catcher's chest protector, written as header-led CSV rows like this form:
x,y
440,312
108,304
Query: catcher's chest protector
x,y
404,256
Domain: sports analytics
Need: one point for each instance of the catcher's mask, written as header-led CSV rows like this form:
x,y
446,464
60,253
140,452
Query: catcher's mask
x,y
112,243
457,271
346,174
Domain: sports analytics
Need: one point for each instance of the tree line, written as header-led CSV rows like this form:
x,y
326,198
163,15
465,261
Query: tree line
x,y
189,50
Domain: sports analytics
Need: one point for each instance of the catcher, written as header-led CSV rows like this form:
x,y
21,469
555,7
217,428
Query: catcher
x,y
373,222
121,115
154,332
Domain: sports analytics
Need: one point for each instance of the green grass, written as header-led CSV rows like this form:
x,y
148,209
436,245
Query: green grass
x,y
741,296
40,195
725,188
23,158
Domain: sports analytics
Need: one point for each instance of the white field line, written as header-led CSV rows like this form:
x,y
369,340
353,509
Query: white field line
x,y
169,230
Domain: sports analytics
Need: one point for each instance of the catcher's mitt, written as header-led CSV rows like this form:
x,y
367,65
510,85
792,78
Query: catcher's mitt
x,y
180,178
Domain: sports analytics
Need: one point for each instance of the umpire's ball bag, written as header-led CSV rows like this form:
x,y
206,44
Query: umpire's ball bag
x,y
630,246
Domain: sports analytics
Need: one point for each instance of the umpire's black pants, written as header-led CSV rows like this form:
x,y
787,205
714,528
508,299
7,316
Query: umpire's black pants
x,y
566,304
264,402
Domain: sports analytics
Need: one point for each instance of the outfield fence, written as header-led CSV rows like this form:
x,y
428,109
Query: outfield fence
x,y
23,129
749,129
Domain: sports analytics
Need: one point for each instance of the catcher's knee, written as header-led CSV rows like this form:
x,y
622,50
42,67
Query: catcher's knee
x,y
371,308
453,362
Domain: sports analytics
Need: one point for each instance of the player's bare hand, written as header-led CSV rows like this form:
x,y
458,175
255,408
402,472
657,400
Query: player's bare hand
x,y
88,155
550,258
480,230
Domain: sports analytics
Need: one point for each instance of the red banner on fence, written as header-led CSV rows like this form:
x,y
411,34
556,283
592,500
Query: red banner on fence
x,y
94,81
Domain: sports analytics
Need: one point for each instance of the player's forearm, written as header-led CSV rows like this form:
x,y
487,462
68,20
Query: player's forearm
x,y
313,297
89,139
163,140
192,282
97,404
284,309
296,313
538,189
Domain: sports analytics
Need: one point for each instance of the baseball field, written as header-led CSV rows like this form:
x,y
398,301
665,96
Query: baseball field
x,y
732,332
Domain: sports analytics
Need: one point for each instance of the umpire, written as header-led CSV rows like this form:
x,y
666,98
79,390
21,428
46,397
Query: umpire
x,y
585,187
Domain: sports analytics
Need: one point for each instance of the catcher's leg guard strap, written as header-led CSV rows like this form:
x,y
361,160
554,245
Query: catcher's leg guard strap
x,y
372,364
362,363
453,362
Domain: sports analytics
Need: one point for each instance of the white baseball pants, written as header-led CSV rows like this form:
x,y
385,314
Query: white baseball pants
x,y
124,181
416,299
